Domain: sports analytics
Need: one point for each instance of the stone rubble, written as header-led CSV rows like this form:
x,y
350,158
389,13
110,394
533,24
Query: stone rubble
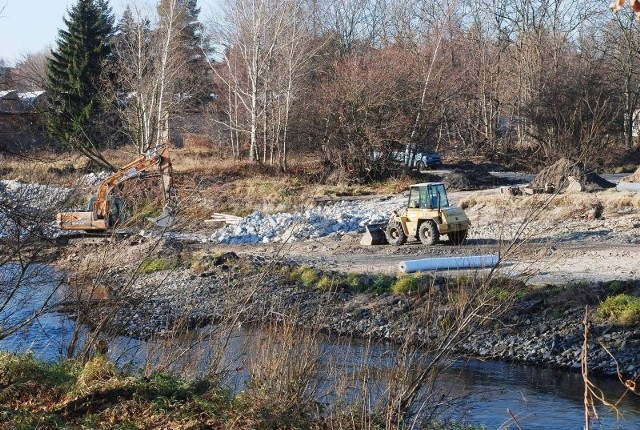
x,y
23,207
334,219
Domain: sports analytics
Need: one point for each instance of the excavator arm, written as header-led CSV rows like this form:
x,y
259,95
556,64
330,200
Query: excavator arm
x,y
98,218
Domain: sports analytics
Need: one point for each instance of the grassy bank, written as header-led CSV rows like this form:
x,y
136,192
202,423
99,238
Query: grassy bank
x,y
95,394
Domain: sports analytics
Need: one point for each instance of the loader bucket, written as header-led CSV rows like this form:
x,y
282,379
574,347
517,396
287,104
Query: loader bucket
x,y
374,235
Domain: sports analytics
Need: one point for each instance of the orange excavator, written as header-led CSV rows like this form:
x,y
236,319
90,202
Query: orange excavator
x,y
616,5
105,210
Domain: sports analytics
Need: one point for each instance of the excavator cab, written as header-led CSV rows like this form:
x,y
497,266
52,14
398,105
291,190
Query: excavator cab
x,y
106,209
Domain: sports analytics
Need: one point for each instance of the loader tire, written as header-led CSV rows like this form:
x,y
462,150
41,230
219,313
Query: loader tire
x,y
458,237
428,233
395,233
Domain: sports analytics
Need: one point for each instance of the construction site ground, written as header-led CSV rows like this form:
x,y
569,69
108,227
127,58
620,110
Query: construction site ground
x,y
542,238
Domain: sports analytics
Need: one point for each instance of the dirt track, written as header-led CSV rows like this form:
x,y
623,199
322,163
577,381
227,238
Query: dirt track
x,y
559,245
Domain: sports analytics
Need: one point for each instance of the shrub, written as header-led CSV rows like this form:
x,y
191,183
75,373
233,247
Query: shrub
x,y
382,283
305,274
501,294
326,283
621,309
353,281
308,277
405,284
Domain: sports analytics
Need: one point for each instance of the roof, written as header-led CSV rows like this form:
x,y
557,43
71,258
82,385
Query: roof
x,y
15,102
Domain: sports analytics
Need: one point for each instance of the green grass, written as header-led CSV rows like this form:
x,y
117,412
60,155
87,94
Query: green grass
x,y
153,265
405,284
97,395
620,309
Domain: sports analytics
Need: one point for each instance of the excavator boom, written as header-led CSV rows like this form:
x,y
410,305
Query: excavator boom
x,y
97,217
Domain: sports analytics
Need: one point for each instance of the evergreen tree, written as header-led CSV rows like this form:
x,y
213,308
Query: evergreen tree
x,y
73,76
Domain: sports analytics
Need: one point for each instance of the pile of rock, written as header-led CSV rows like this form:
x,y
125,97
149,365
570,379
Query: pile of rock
x,y
23,207
331,219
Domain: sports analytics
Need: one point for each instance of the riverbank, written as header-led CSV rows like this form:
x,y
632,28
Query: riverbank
x,y
531,324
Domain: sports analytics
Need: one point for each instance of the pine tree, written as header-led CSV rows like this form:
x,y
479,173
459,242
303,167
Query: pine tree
x,y
73,75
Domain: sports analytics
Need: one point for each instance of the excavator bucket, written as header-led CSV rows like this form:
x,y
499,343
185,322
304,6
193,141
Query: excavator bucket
x,y
374,235
165,219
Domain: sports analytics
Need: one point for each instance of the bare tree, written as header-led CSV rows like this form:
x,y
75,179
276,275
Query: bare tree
x,y
251,30
149,62
30,71
620,48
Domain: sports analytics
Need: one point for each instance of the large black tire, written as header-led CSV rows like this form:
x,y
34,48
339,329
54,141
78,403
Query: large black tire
x,y
428,233
458,237
395,234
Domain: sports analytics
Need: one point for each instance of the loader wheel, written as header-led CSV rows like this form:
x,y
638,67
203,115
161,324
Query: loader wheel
x,y
395,233
458,237
428,233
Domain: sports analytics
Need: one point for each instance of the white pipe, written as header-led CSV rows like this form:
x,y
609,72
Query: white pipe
x,y
449,263
628,186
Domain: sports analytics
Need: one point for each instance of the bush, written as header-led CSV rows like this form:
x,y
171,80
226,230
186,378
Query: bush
x,y
621,309
353,281
304,274
308,277
405,284
382,283
326,283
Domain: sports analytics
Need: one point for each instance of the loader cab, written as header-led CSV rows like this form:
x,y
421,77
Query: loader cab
x,y
428,196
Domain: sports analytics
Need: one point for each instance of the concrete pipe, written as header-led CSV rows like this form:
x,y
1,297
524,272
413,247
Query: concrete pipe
x,y
628,186
449,263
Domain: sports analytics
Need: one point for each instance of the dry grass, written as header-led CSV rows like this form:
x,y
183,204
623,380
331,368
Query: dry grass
x,y
561,206
207,183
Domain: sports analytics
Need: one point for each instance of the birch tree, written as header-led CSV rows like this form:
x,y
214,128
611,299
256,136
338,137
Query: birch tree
x,y
149,62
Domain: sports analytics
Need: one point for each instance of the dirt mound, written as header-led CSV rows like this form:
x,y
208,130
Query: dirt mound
x,y
558,175
473,177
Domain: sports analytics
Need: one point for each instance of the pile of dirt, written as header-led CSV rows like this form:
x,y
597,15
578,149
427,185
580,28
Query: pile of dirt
x,y
472,177
566,172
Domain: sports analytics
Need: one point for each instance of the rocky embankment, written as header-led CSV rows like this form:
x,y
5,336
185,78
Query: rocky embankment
x,y
543,329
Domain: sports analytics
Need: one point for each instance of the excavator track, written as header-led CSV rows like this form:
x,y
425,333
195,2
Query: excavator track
x,y
98,237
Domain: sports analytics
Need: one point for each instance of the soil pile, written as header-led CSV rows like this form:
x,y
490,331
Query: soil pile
x,y
472,177
557,175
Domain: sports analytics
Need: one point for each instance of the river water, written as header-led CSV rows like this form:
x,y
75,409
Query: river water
x,y
485,393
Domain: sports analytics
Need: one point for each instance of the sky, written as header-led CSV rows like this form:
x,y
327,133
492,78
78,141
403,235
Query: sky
x,y
30,26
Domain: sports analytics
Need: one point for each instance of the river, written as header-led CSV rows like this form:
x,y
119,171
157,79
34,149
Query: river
x,y
484,392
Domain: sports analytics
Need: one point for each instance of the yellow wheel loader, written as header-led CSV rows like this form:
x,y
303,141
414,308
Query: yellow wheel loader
x,y
105,210
426,217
